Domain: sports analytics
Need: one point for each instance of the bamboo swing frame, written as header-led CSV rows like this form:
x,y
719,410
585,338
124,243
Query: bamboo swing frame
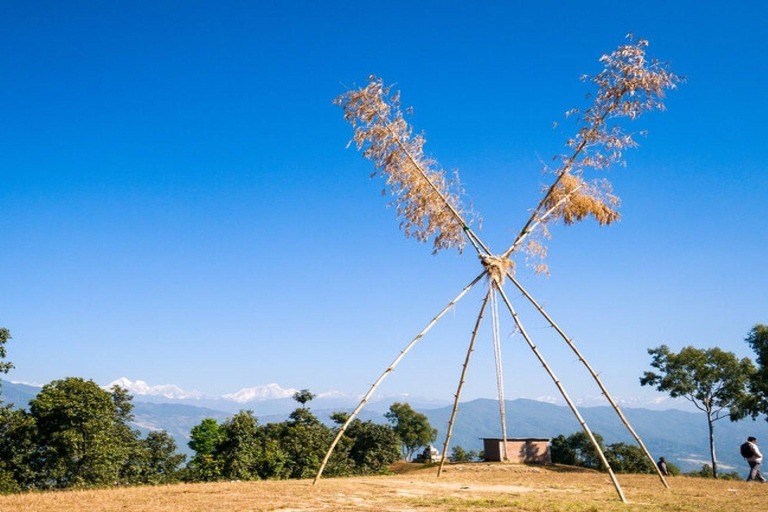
x,y
497,275
482,249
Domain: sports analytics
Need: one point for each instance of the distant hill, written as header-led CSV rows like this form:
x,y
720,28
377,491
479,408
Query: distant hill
x,y
17,394
679,436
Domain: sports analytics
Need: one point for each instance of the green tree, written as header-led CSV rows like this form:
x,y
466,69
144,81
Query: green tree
x,y
238,450
304,441
628,458
577,450
713,380
758,340
303,397
373,448
160,461
82,434
459,454
18,447
368,447
412,428
204,438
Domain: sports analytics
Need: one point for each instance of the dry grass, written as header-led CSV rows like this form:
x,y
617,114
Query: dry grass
x,y
478,486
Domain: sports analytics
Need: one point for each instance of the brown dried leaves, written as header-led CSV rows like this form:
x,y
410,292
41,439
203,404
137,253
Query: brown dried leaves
x,y
573,199
425,200
629,85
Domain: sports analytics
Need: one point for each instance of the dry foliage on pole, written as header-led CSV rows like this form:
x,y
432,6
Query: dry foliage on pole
x,y
427,202
630,84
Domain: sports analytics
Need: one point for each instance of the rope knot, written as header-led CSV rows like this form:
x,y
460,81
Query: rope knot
x,y
497,266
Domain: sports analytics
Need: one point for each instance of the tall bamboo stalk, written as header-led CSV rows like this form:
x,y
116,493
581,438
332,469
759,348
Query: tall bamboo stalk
x,y
594,376
389,370
475,240
471,235
499,371
462,379
564,394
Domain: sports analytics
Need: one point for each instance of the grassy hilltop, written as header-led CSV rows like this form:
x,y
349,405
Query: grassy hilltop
x,y
475,486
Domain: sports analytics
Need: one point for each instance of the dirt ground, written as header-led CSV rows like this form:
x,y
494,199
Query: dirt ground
x,y
474,486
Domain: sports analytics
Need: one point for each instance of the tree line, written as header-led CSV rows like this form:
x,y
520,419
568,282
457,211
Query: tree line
x,y
77,435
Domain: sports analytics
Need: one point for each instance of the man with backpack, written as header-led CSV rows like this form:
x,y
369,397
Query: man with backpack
x,y
751,452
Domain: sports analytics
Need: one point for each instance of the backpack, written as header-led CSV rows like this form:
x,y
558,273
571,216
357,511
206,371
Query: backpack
x,y
747,450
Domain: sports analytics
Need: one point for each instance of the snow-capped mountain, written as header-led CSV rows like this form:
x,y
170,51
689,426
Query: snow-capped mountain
x,y
139,387
259,393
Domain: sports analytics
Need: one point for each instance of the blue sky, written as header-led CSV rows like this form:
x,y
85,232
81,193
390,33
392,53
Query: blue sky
x,y
177,204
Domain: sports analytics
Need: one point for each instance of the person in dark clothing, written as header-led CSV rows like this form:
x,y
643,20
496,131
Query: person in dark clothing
x,y
662,465
754,461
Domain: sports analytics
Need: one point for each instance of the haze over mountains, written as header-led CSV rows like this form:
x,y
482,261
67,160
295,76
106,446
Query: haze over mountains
x,y
680,436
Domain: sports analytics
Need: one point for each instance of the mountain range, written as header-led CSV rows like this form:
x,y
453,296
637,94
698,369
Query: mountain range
x,y
680,436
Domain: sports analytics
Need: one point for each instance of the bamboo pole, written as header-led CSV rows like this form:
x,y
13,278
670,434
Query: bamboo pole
x,y
499,372
389,370
462,379
533,221
564,393
471,235
594,376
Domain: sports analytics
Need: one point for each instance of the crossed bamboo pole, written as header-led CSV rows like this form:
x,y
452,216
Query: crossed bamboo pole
x,y
462,379
592,372
481,248
564,393
389,370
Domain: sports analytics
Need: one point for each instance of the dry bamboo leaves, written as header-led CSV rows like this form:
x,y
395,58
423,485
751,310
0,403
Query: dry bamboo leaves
x,y
428,204
629,85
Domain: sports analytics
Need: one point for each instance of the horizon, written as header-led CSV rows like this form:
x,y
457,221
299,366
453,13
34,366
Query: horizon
x,y
139,388
179,204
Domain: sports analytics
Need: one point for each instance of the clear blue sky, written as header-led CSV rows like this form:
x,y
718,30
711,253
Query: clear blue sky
x,y
177,204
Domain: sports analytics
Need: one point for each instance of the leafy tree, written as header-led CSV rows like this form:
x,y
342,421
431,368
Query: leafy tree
x,y
577,450
18,447
339,418
204,438
303,397
82,435
459,454
373,448
628,458
304,440
238,450
160,461
758,340
368,447
411,427
713,380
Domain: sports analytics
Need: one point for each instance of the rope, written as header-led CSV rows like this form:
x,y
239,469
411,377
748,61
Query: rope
x,y
497,266
499,372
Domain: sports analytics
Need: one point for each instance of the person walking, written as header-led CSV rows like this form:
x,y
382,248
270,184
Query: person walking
x,y
751,452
